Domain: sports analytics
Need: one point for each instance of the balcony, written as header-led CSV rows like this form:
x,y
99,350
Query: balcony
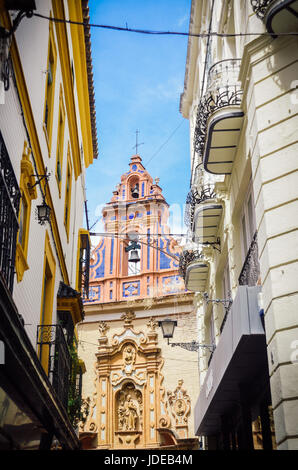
x,y
84,263
55,358
219,118
251,269
9,209
203,215
194,270
279,16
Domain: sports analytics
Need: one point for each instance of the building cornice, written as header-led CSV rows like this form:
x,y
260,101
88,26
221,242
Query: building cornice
x,y
186,97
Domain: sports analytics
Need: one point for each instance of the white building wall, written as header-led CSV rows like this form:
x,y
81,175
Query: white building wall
x,y
267,152
32,37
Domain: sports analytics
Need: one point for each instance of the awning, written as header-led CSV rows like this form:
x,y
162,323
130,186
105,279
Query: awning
x,y
196,276
282,16
222,137
240,357
207,218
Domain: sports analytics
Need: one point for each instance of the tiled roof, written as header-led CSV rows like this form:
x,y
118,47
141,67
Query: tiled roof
x,y
86,18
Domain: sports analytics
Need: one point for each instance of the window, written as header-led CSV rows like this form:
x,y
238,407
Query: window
x,y
248,223
23,221
68,194
60,142
50,87
9,209
28,193
46,313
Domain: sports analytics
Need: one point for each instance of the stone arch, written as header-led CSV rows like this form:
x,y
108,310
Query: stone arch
x,y
133,184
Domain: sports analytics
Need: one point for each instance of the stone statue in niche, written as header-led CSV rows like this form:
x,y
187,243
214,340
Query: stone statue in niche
x,y
129,408
129,357
131,414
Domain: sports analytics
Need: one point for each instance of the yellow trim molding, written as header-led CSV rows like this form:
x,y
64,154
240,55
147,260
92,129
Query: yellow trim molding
x,y
60,140
79,56
72,305
50,95
47,297
65,62
68,187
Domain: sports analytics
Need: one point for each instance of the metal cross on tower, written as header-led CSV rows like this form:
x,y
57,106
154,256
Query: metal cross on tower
x,y
137,143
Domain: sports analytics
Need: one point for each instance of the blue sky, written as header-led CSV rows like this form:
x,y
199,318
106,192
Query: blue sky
x,y
138,80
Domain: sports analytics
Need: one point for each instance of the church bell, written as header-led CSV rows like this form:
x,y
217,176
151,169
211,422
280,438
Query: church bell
x,y
135,191
134,256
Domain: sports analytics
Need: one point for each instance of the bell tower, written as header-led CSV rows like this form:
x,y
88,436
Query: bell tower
x,y
133,380
137,243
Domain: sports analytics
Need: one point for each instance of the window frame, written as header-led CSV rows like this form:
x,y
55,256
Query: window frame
x,y
48,112
28,193
60,141
47,297
68,194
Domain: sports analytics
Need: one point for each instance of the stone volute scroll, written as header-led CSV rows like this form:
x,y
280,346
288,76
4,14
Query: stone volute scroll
x,y
179,402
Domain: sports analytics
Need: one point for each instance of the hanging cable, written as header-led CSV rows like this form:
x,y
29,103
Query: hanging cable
x,y
162,33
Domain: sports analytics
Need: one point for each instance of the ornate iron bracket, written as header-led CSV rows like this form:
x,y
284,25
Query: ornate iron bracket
x,y
227,303
193,346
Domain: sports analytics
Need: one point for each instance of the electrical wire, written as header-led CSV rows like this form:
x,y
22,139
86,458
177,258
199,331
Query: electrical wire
x,y
163,33
168,358
154,155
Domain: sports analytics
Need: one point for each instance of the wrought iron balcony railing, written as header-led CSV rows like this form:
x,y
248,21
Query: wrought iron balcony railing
x,y
84,265
251,269
260,7
9,208
54,355
186,258
194,198
223,89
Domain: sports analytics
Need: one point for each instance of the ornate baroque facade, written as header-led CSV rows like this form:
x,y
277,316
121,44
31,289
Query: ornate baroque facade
x,y
139,395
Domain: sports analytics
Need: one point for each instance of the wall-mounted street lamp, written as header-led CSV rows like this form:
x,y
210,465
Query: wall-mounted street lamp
x,y
168,327
43,211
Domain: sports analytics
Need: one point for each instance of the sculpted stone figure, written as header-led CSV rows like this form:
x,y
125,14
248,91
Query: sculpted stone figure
x,y
129,355
131,414
121,415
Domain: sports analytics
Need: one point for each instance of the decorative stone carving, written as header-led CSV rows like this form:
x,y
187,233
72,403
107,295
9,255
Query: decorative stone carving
x,y
129,357
129,408
103,328
152,324
128,317
180,406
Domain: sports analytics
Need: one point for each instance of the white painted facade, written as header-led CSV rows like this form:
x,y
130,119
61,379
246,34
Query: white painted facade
x,y
32,39
265,164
